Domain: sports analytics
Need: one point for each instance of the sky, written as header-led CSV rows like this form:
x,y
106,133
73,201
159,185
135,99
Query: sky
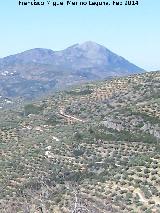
x,y
129,31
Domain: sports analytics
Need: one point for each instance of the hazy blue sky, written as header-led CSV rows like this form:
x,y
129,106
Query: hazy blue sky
x,y
132,32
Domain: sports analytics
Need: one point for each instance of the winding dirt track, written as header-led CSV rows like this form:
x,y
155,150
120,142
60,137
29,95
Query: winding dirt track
x,y
61,112
141,196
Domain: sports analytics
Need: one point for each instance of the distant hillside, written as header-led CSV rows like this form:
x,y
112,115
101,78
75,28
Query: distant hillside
x,y
37,71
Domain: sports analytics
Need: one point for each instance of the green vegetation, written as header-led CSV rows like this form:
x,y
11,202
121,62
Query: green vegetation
x,y
32,109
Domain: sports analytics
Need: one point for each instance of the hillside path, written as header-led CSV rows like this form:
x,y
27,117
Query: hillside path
x,y
61,112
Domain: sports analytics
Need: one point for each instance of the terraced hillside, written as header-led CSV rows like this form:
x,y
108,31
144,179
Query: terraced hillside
x,y
94,148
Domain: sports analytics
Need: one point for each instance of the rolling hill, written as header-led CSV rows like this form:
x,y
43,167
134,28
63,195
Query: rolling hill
x,y
94,148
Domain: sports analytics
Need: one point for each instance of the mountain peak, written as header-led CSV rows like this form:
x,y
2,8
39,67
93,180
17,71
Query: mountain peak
x,y
89,45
